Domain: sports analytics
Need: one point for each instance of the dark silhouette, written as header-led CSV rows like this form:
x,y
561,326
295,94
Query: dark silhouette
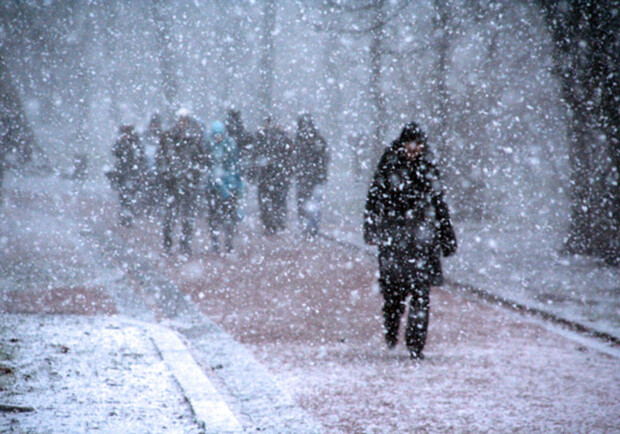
x,y
125,177
407,218
180,161
152,184
236,130
272,163
310,159
224,186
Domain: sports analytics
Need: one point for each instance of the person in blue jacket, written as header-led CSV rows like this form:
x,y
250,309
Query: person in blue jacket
x,y
224,186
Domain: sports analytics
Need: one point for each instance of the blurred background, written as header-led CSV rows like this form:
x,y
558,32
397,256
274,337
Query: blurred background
x,y
520,99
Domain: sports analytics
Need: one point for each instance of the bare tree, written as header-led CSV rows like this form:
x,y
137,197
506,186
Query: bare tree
x,y
16,136
587,62
267,58
167,63
369,19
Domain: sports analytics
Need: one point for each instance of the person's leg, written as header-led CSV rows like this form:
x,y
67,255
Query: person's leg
x,y
212,207
125,217
393,299
187,223
265,204
417,321
393,305
169,216
229,221
393,308
314,210
279,210
303,196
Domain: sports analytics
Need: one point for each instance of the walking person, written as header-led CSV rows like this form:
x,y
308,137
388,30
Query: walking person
x,y
180,161
236,131
311,158
272,163
408,219
126,176
151,138
224,186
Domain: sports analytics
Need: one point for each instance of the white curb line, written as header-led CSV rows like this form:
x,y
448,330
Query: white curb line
x,y
211,412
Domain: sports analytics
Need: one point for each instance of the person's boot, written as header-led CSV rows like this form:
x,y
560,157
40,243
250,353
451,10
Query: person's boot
x,y
167,244
415,335
391,339
391,331
392,312
185,249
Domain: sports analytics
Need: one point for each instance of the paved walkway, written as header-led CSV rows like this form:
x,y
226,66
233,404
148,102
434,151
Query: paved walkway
x,y
80,344
74,373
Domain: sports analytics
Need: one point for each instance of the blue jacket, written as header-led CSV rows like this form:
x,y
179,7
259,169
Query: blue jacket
x,y
224,172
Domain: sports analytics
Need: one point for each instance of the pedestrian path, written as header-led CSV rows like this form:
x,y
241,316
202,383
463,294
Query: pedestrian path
x,y
71,238
73,373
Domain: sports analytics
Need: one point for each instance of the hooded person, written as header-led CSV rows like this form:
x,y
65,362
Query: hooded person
x,y
126,175
236,130
150,179
272,163
180,162
407,218
224,186
310,161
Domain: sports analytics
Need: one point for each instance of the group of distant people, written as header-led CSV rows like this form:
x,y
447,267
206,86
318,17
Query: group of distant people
x,y
176,172
406,216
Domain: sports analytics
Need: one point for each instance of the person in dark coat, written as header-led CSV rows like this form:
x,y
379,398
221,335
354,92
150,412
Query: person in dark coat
x,y
408,219
236,130
126,175
151,138
224,186
272,163
181,158
311,157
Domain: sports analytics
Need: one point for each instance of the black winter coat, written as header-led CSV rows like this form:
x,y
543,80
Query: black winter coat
x,y
310,157
273,156
181,157
407,218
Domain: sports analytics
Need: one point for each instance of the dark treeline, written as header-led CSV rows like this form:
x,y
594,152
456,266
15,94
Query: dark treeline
x,y
520,98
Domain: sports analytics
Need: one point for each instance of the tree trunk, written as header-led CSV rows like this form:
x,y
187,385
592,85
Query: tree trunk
x,y
586,62
379,121
16,136
167,62
266,69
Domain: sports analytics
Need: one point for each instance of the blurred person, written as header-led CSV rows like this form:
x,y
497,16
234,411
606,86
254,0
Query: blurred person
x,y
151,181
236,130
361,150
181,158
310,161
272,164
125,178
224,186
407,218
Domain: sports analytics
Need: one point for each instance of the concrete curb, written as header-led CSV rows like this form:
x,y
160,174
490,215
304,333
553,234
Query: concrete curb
x,y
499,300
212,413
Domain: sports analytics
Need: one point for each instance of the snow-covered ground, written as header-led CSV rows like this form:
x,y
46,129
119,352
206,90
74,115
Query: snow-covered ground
x,y
310,313
520,263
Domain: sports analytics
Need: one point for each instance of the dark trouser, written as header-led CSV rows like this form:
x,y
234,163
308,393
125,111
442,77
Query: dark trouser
x,y
127,198
272,194
417,318
179,204
308,208
222,214
399,280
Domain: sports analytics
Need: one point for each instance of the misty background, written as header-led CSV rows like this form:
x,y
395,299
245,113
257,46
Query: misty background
x,y
519,98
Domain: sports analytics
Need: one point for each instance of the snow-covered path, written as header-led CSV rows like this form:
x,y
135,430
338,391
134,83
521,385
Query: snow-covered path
x,y
310,313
